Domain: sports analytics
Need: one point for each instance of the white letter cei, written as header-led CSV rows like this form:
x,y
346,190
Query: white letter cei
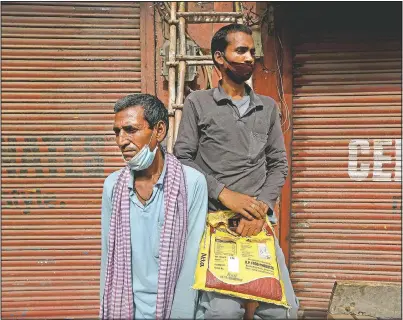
x,y
354,172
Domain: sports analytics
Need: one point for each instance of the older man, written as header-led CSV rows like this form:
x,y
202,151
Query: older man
x,y
153,216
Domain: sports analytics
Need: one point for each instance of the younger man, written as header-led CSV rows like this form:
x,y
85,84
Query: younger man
x,y
234,137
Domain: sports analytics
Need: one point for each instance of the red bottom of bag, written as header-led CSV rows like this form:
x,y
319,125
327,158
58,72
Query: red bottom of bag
x,y
266,288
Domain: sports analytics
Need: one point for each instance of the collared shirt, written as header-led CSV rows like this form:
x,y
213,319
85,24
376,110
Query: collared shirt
x,y
243,153
146,222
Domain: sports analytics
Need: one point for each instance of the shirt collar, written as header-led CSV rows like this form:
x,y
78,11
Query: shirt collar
x,y
220,96
160,181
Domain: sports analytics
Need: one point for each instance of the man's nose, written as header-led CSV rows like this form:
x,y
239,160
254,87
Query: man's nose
x,y
249,57
122,138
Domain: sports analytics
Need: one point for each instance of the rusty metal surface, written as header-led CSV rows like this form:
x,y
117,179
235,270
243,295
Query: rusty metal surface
x,y
54,54
148,45
51,21
64,65
346,165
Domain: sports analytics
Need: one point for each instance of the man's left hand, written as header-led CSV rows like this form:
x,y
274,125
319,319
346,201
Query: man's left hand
x,y
248,228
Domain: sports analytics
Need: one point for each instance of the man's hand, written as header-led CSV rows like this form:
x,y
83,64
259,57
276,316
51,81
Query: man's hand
x,y
264,207
243,204
248,228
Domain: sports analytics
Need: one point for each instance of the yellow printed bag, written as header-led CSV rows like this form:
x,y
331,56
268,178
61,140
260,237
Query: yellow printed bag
x,y
243,267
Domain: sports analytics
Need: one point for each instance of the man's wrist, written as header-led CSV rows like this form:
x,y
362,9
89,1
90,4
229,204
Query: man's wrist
x,y
222,194
270,211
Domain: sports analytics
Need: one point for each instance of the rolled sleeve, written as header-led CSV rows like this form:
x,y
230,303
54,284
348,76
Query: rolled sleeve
x,y
214,187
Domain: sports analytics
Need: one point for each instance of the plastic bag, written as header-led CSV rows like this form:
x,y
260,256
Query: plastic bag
x,y
243,267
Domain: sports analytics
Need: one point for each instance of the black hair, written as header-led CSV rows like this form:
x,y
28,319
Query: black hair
x,y
220,41
154,109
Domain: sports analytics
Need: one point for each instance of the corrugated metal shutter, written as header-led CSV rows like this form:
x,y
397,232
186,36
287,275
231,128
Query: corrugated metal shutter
x,y
346,171
64,64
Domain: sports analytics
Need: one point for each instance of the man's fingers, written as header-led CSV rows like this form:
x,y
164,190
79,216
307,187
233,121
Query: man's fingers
x,y
245,231
262,209
255,209
253,213
240,227
264,206
246,214
253,231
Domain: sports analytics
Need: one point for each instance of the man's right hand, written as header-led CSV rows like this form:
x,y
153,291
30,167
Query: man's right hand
x,y
241,203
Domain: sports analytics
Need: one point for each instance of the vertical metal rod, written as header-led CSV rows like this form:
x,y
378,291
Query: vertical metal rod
x,y
171,78
238,8
182,69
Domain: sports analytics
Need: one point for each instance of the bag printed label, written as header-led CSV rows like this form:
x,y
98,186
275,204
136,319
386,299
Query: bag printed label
x,y
233,264
263,251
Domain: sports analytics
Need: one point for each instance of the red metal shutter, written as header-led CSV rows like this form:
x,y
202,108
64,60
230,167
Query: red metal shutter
x,y
64,64
346,171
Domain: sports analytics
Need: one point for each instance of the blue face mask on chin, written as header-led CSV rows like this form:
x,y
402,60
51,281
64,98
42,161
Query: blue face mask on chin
x,y
144,158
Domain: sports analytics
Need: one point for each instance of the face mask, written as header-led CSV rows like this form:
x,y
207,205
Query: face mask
x,y
144,158
239,72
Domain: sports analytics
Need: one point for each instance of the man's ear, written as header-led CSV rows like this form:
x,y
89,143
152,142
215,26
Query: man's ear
x,y
161,131
219,58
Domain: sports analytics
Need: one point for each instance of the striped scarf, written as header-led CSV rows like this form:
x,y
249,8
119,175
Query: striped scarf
x,y
117,302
